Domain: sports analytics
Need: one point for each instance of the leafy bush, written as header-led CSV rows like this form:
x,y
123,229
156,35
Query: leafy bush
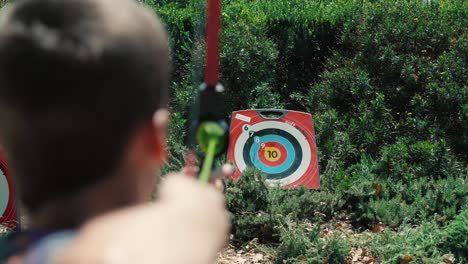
x,y
249,193
456,237
248,201
335,250
302,246
275,215
428,243
294,243
418,245
371,72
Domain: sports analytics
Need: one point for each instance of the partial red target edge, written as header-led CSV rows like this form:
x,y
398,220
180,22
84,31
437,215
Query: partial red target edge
x,y
8,208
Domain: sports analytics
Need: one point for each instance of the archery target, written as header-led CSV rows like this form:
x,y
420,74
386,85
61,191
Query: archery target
x,y
7,199
283,148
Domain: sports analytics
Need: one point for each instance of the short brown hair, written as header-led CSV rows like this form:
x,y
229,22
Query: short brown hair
x,y
77,77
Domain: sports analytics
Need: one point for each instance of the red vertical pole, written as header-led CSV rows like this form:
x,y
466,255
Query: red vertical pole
x,y
212,42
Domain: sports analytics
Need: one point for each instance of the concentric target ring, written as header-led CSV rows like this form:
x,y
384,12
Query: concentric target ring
x,y
294,155
4,193
296,147
272,153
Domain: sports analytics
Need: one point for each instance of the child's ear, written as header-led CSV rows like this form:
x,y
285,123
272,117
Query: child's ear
x,y
160,122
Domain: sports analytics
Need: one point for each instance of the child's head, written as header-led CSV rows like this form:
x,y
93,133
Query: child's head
x,y
80,81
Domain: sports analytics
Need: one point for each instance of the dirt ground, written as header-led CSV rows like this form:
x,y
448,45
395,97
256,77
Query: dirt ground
x,y
232,255
240,256
250,254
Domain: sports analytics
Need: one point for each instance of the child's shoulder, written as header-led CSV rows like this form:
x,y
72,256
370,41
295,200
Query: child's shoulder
x,y
35,247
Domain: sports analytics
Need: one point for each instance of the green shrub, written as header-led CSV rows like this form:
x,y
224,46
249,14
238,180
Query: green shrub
x,y
408,160
456,237
420,244
304,204
246,59
428,243
262,97
249,193
259,225
295,242
389,69
298,245
373,126
400,199
248,201
335,149
335,250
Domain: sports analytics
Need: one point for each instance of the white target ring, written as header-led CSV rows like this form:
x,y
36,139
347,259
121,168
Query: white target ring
x,y
4,192
294,132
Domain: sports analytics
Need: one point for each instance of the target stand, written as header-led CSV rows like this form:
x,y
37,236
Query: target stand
x,y
280,143
8,210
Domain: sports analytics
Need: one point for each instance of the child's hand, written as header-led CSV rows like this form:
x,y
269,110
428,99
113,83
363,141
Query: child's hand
x,y
189,224
218,176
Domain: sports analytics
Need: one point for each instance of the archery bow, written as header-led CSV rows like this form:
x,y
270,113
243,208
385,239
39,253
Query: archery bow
x,y
208,126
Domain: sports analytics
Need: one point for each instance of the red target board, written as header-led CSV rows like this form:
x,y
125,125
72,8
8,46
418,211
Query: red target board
x,y
280,143
8,211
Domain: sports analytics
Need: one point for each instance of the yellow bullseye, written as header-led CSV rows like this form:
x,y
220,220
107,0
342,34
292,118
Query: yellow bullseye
x,y
272,154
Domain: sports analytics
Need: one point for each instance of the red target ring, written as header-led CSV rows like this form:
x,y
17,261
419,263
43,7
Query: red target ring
x,y
272,154
8,210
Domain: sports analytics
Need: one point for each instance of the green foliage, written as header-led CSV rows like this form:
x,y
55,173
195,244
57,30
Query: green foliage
x,y
405,196
301,246
335,250
304,204
275,215
372,72
254,54
3,3
249,193
383,85
419,243
428,243
248,200
263,97
294,243
455,237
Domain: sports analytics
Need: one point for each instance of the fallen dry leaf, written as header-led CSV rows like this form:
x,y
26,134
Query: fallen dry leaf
x,y
339,226
357,255
442,218
406,259
377,189
448,259
378,228
360,256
